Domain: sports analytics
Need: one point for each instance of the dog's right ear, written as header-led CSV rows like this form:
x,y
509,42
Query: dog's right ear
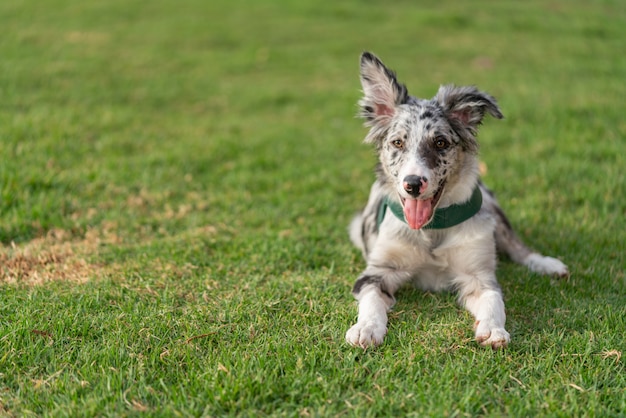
x,y
381,93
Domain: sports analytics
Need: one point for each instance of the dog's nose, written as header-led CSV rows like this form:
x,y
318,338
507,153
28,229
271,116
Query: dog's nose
x,y
414,185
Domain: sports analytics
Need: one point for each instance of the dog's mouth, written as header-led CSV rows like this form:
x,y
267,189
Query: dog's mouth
x,y
418,212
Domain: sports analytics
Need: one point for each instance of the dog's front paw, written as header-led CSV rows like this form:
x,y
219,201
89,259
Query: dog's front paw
x,y
366,334
546,265
493,337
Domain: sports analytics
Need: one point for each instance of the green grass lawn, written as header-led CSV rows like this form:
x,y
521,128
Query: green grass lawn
x,y
176,181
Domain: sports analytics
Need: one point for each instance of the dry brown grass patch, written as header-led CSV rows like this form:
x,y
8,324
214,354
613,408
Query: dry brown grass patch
x,y
56,256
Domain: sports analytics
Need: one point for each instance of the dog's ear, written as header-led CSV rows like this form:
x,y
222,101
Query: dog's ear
x,y
466,106
381,92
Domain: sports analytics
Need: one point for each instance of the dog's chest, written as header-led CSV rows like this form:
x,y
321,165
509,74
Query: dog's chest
x,y
430,260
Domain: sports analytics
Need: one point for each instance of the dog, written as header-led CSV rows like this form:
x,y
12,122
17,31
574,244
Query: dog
x,y
429,219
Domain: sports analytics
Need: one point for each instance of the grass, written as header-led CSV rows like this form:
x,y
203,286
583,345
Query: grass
x,y
177,178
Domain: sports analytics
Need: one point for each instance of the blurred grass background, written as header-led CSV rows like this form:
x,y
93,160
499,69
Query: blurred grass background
x,y
177,178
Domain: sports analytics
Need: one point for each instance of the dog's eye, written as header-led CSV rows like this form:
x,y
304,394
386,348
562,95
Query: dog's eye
x,y
398,143
441,143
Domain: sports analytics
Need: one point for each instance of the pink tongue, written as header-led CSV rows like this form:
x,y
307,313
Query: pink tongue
x,y
417,212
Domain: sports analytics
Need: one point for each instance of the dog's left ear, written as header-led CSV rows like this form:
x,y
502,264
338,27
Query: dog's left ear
x,y
466,106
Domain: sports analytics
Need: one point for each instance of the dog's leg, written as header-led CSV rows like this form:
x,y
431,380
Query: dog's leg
x,y
509,243
483,298
371,326
374,293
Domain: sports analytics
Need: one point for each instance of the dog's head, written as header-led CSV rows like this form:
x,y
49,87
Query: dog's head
x,y
427,148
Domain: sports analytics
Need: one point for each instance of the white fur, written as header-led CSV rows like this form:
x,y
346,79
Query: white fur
x,y
545,265
372,324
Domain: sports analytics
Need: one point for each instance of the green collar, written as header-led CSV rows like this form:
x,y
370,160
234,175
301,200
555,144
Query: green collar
x,y
444,218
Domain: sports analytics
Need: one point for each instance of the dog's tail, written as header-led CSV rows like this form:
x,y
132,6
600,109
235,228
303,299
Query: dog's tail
x,y
509,243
